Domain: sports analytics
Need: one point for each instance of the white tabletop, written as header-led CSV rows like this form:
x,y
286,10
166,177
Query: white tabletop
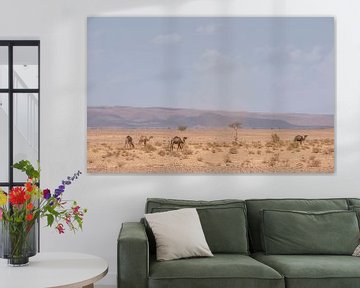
x,y
46,270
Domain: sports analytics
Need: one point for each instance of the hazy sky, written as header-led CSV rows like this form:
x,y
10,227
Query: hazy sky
x,y
218,63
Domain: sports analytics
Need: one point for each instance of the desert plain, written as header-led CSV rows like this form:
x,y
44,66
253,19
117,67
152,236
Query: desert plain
x,y
211,151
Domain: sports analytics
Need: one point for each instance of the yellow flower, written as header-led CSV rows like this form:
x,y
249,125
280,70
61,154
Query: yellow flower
x,y
3,198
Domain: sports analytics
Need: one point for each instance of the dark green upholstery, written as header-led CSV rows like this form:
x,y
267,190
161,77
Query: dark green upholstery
x,y
294,232
133,256
136,269
353,202
254,216
222,270
223,221
315,271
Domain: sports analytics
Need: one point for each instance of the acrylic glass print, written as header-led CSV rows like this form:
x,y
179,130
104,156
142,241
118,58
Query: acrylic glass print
x,y
210,95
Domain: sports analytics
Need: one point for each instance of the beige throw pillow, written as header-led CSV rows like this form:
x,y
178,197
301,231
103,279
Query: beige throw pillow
x,y
178,234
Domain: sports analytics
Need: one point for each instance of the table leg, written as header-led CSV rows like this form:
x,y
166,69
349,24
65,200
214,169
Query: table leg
x,y
89,286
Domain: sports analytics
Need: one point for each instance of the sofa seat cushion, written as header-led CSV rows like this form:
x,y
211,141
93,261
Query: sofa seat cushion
x,y
313,271
222,270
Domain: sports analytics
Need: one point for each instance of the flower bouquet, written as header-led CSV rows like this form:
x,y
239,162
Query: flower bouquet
x,y
21,208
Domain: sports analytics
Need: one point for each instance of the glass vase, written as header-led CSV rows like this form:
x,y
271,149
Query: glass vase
x,y
18,242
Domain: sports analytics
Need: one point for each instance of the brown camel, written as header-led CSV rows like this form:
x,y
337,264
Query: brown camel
x,y
144,139
177,141
299,138
129,142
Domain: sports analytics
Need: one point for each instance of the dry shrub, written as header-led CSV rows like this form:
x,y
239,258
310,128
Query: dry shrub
x,y
233,150
268,151
314,163
227,159
162,153
251,152
246,164
200,159
157,144
187,151
292,146
275,138
328,151
286,162
120,164
259,152
316,150
328,141
274,159
175,154
149,148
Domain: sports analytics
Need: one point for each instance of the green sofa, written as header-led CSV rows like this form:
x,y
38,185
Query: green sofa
x,y
234,230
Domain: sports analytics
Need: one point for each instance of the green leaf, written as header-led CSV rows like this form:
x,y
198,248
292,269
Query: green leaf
x,y
28,168
50,219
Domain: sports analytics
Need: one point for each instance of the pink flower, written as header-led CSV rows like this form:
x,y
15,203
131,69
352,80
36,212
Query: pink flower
x,y
60,228
1,213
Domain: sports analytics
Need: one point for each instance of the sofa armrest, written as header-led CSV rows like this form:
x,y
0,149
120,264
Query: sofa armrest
x,y
133,256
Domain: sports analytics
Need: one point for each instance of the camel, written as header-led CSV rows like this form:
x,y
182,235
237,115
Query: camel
x,y
144,139
129,142
177,141
299,138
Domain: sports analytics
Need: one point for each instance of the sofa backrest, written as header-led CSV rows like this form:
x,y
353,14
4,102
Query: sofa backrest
x,y
223,221
256,205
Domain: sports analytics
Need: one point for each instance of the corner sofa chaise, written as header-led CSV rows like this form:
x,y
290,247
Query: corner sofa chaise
x,y
249,252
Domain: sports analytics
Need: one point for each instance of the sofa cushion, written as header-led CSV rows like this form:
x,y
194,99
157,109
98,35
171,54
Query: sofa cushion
x,y
222,270
254,216
178,234
223,221
353,201
313,271
297,232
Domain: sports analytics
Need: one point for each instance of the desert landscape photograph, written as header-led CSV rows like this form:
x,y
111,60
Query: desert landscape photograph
x,y
211,95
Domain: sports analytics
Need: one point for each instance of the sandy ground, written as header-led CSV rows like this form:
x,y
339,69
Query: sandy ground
x,y
211,151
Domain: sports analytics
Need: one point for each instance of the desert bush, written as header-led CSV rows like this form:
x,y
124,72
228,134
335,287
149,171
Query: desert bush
x,y
274,159
187,151
259,152
316,150
149,148
275,138
200,159
251,152
175,154
182,127
328,151
233,150
292,145
270,144
157,143
314,163
162,153
227,159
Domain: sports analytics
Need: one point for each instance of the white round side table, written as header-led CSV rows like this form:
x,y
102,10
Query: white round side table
x,y
50,270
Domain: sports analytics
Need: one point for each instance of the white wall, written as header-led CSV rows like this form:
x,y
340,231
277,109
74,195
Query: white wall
x,y
111,200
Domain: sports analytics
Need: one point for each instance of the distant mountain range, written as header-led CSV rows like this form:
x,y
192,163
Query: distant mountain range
x,y
159,117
